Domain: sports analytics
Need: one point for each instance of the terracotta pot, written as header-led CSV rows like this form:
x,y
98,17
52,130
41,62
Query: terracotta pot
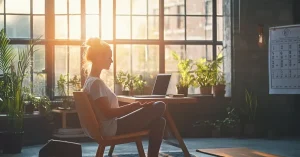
x,y
182,90
218,90
205,90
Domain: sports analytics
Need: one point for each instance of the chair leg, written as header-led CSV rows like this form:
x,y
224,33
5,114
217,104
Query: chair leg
x,y
100,151
140,148
112,147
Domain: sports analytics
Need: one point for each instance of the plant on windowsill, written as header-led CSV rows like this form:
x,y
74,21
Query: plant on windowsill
x,y
204,76
139,84
14,68
62,85
120,82
218,77
185,72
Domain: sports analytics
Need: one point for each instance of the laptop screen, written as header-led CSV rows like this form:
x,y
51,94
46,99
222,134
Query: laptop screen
x,y
161,84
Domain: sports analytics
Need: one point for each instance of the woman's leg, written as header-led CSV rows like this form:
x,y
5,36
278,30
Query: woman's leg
x,y
146,118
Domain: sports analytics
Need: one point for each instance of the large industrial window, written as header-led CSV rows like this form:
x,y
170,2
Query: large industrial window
x,y
141,34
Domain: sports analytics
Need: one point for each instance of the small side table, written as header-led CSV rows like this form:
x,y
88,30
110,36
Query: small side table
x,y
64,115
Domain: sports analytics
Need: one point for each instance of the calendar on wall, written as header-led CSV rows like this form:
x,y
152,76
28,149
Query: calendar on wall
x,y
284,60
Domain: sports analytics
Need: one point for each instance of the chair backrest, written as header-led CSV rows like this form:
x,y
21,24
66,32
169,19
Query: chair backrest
x,y
87,116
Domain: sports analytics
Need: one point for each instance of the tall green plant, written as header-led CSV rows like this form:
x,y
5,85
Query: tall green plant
x,y
12,79
185,70
251,103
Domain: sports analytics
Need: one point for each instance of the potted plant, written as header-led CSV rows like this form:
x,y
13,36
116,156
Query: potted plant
x,y
204,76
139,84
185,71
248,113
219,85
12,92
120,82
218,76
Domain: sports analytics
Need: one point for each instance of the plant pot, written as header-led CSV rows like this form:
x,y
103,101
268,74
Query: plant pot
x,y
118,89
29,107
249,130
205,90
182,90
42,110
13,142
218,90
125,92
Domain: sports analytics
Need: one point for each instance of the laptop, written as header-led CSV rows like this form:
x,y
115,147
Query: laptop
x,y
160,87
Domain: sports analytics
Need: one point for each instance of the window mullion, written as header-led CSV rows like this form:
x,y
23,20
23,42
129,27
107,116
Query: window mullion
x,y
214,22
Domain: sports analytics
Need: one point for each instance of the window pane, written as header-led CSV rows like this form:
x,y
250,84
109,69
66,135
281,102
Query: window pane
x,y
145,62
61,27
38,6
74,65
219,7
220,52
60,63
171,65
139,7
170,62
139,27
199,7
92,26
123,27
145,58
1,21
74,7
123,58
1,6
107,20
39,26
153,27
92,6
18,6
195,52
153,7
173,28
75,27
220,28
61,6
174,9
199,28
18,26
39,78
123,7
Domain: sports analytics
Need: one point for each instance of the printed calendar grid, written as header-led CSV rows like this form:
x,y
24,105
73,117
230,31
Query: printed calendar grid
x,y
285,63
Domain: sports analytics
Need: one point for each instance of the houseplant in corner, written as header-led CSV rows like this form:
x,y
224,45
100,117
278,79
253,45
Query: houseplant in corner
x,y
185,71
14,67
248,113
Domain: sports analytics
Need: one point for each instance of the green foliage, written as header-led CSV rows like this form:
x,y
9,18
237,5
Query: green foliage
x,y
14,68
250,106
75,82
139,84
185,70
231,121
121,78
204,73
62,84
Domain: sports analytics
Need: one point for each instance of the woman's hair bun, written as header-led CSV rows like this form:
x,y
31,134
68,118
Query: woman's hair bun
x,y
93,42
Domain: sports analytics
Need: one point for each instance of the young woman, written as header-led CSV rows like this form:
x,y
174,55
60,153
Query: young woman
x,y
115,119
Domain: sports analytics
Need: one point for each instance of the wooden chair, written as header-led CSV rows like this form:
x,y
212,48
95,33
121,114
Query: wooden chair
x,y
90,125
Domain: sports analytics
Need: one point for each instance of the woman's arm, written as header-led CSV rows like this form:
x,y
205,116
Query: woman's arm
x,y
103,105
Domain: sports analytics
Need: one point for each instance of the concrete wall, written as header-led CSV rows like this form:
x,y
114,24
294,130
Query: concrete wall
x,y
250,62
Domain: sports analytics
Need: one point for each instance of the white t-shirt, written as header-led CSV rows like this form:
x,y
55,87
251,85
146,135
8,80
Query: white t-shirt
x,y
96,88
